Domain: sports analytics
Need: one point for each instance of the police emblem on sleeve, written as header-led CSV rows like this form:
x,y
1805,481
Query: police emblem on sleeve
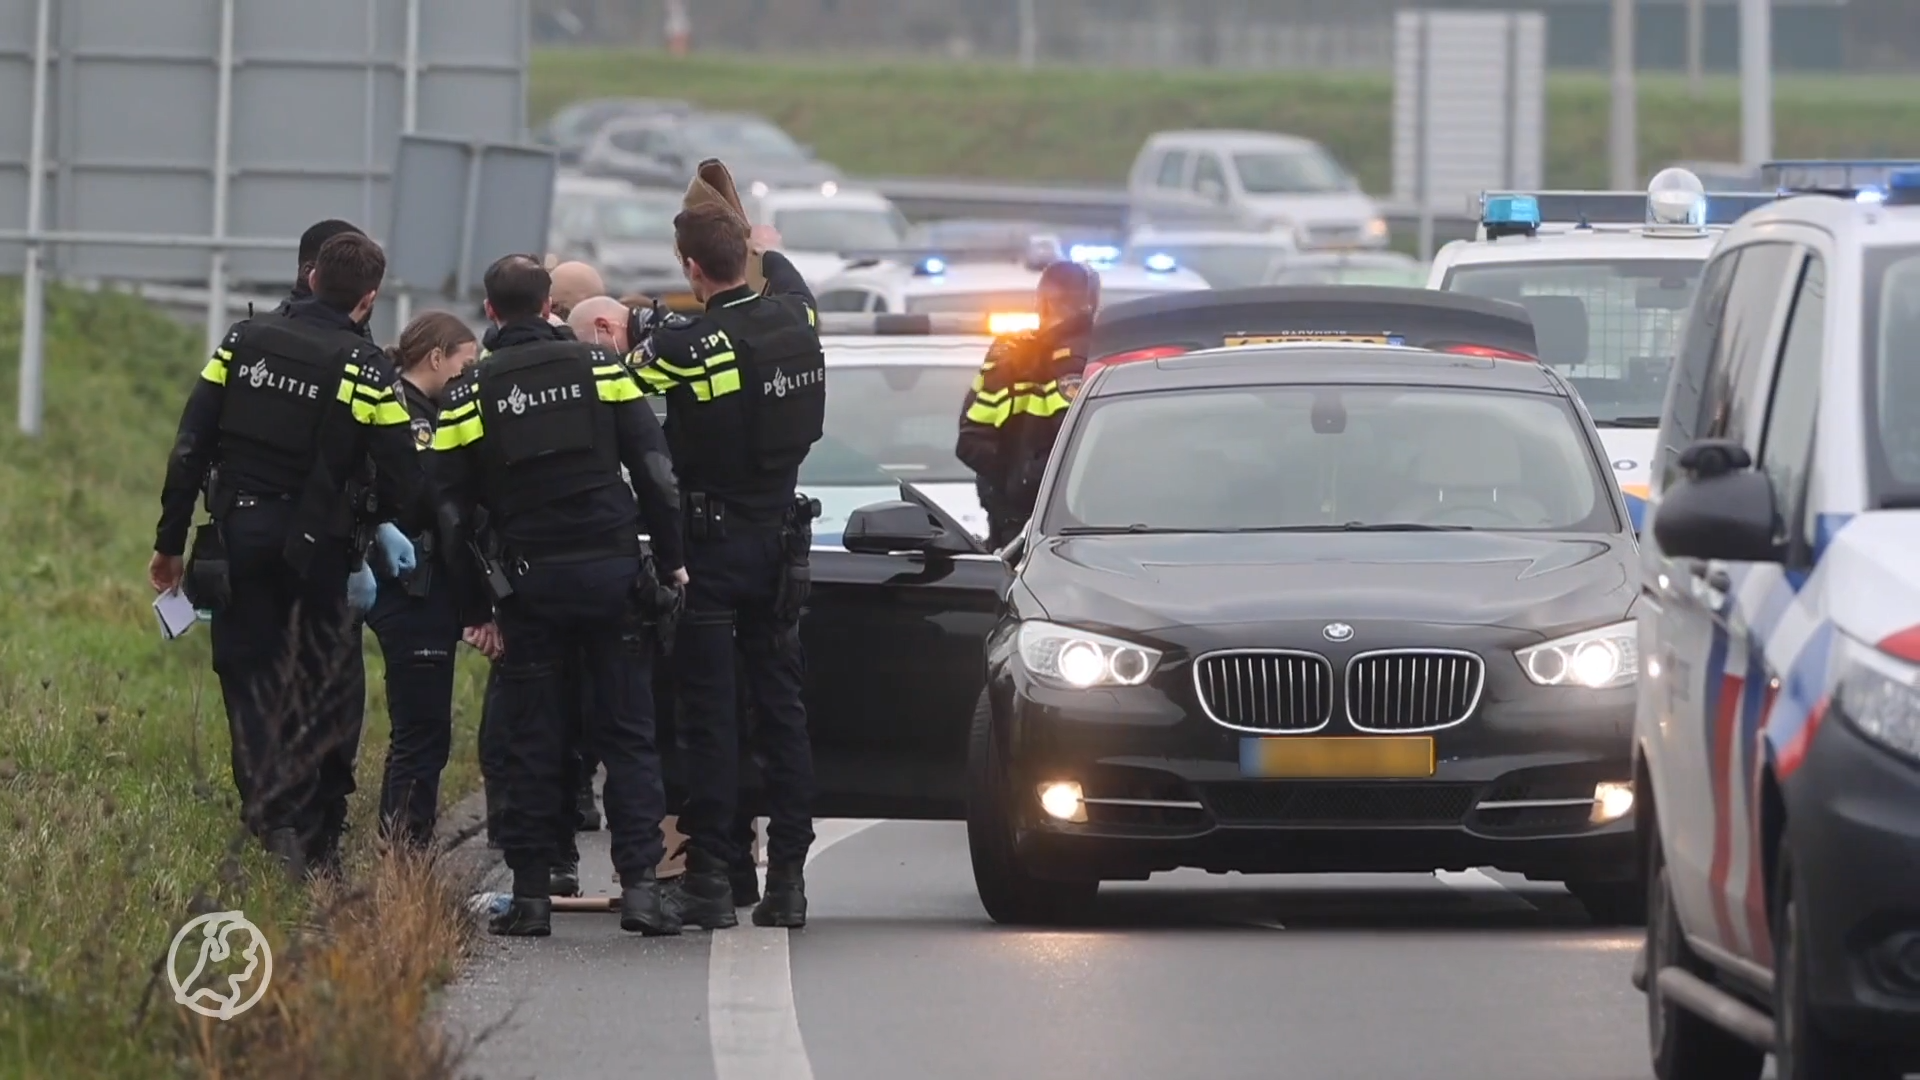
x,y
1070,386
422,434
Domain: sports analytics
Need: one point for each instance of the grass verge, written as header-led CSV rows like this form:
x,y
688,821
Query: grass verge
x,y
117,814
930,118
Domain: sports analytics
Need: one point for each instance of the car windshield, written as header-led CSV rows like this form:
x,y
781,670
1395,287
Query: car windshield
x,y
839,229
1225,266
1892,374
636,219
1330,458
1396,271
1611,326
741,136
896,417
1294,172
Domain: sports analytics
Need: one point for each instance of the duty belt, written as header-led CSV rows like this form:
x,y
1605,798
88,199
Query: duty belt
x,y
247,500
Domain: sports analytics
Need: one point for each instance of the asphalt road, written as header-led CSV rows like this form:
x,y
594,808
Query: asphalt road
x,y
1458,977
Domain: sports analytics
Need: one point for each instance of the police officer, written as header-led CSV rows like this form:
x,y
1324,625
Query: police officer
x,y
1021,395
537,434
416,617
287,409
745,386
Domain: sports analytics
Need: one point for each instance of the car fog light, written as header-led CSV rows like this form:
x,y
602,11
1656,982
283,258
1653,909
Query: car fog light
x,y
1081,664
1595,663
1061,799
1611,802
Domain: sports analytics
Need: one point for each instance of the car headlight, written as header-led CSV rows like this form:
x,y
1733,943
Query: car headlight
x,y
1377,228
1599,659
1880,697
1080,659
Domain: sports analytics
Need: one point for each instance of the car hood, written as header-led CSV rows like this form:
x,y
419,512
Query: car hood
x,y
818,267
1146,583
1336,208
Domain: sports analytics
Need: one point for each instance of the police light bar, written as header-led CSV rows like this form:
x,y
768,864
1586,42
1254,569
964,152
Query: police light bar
x,y
1160,262
903,325
1510,215
1839,175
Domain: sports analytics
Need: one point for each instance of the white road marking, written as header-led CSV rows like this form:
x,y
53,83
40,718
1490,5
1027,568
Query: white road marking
x,y
751,1019
1479,881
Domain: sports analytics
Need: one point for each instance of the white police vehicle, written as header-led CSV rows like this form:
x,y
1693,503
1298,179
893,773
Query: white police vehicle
x,y
995,283
1226,258
1607,277
817,224
1777,734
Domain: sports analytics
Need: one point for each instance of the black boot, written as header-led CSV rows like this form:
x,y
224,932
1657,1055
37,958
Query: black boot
x,y
746,885
526,916
587,811
324,858
285,846
703,896
645,907
564,879
786,902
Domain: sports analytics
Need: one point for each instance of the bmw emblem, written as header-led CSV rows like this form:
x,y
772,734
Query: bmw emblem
x,y
1337,631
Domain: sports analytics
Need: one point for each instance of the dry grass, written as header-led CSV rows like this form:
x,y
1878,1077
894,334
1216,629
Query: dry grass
x,y
118,821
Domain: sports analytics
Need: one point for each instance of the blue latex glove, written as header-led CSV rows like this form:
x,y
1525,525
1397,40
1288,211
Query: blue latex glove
x,y
361,589
396,551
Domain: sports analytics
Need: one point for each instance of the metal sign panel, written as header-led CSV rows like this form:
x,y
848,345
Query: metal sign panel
x,y
316,96
458,206
1469,104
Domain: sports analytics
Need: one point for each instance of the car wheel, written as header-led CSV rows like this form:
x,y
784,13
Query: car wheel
x,y
1612,903
1685,1045
1007,890
1802,1050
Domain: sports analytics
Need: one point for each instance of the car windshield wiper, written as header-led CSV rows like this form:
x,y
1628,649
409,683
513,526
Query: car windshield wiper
x,y
1135,529
1629,422
1360,526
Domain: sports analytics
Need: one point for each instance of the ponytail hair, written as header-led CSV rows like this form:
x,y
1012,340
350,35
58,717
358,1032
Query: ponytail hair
x,y
428,331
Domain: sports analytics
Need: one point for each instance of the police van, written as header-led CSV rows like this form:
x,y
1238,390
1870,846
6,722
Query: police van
x,y
1607,278
1001,283
1777,731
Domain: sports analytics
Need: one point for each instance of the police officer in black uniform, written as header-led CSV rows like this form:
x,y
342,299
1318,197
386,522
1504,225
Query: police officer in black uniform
x,y
288,408
1020,397
746,392
537,434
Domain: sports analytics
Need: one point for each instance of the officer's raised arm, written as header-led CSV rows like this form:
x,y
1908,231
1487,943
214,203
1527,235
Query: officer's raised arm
x,y
784,281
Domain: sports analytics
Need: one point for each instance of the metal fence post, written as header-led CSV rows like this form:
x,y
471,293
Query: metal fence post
x,y
409,121
222,182
33,301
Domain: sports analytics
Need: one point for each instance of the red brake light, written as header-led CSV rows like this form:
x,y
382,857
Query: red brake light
x,y
1157,352
1488,353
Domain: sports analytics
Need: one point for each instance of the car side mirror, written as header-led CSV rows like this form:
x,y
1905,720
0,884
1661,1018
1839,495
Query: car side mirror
x,y
1723,509
891,527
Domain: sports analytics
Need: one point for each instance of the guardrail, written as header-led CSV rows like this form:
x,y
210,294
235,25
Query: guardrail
x,y
1104,208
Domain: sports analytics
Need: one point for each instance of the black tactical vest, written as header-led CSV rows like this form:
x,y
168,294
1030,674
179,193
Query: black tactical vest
x,y
548,436
284,377
780,410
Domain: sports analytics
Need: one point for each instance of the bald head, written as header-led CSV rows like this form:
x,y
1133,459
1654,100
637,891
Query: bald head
x,y
601,320
572,283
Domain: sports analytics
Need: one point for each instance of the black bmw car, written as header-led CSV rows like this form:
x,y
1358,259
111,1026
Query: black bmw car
x,y
1335,599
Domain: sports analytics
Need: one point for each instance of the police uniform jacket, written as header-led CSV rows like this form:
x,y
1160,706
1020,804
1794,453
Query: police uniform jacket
x,y
543,500
745,389
1013,415
286,393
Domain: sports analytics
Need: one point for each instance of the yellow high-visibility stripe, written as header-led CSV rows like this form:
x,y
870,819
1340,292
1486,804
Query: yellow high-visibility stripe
x,y
657,381
608,371
981,412
345,396
216,370
992,397
385,414
454,436
720,359
725,382
460,410
617,389
676,370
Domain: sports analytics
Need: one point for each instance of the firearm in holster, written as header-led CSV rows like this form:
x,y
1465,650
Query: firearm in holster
x,y
706,517
483,544
660,601
796,580
208,581
419,583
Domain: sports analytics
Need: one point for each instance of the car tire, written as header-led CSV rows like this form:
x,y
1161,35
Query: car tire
x,y
1685,1045
1802,1049
1007,890
1612,903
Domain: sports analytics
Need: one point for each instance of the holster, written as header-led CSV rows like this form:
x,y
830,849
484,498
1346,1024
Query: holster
x,y
796,578
659,602
208,582
706,517
492,567
419,583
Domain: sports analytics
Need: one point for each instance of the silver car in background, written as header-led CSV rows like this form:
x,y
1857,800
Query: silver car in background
x,y
1254,180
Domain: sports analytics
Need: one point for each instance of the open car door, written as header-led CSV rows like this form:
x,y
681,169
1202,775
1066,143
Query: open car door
x,y
1164,326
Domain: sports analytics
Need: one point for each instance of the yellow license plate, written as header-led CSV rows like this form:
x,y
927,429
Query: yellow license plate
x,y
1364,757
1276,339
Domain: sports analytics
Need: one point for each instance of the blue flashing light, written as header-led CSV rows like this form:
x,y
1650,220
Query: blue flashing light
x,y
1511,210
932,265
1094,254
1904,180
1161,263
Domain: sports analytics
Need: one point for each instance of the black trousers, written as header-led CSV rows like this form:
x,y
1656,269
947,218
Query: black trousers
x,y
560,608
580,761
287,653
733,582
418,636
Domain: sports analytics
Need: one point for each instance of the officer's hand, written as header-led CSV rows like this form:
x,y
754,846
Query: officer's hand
x,y
396,551
680,576
165,571
485,638
361,590
765,238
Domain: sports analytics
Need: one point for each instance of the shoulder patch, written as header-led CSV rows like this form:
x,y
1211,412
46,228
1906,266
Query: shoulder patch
x,y
422,433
